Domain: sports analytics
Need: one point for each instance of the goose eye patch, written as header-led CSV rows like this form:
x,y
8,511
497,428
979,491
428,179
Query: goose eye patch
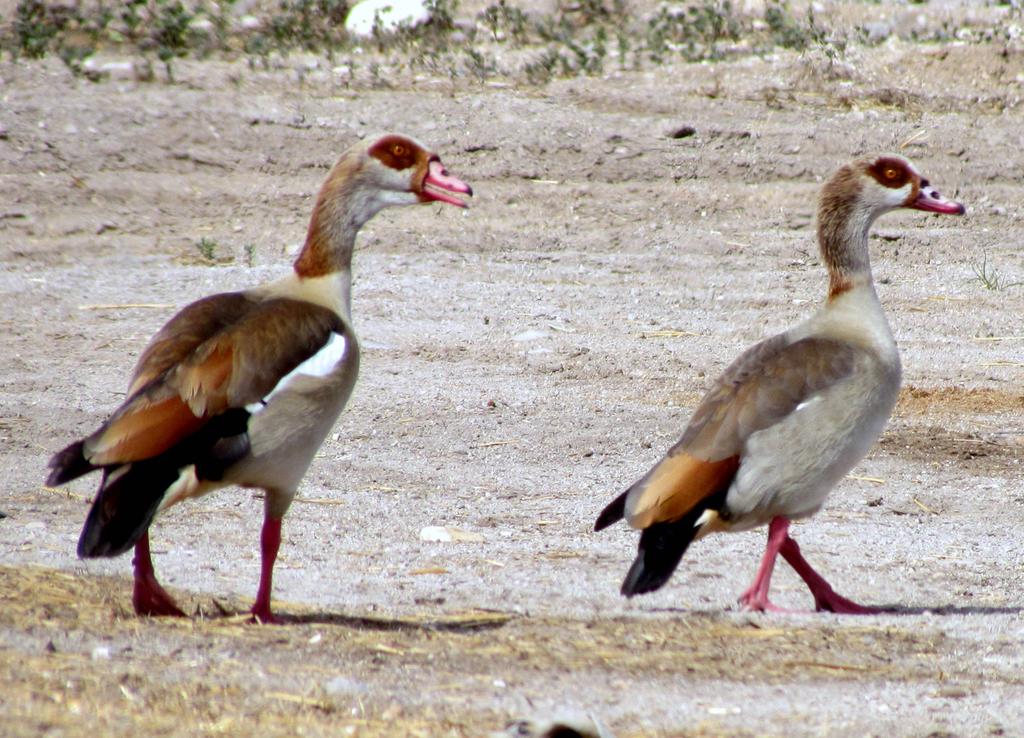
x,y
890,173
394,152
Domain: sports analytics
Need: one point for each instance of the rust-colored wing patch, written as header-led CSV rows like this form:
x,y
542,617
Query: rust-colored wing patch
x,y
167,410
142,429
675,486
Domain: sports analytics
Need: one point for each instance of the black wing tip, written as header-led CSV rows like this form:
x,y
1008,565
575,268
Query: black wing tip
x,y
661,548
642,580
67,464
101,551
97,541
92,546
613,513
89,549
124,508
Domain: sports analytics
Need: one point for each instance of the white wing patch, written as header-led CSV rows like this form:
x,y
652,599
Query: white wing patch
x,y
320,364
814,399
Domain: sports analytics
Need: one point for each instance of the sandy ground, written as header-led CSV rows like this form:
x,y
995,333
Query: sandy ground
x,y
524,361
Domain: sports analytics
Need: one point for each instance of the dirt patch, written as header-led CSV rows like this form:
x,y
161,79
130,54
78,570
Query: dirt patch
x,y
937,446
925,401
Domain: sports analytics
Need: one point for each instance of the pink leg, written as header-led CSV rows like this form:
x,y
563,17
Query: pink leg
x,y
825,598
756,597
148,597
270,542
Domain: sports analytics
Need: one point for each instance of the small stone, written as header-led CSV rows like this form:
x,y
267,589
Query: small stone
x,y
344,685
249,23
201,24
877,32
684,132
101,653
442,534
386,15
530,335
118,70
435,534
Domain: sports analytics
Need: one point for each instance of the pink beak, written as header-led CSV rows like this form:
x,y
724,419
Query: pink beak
x,y
438,184
930,200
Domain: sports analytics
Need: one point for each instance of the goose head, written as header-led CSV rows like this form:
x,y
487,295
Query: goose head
x,y
891,181
388,171
407,173
854,197
867,188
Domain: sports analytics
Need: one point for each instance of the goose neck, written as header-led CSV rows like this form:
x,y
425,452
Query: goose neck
x,y
843,239
344,205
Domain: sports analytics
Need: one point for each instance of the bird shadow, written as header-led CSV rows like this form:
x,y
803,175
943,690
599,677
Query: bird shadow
x,y
465,622
893,609
492,620
947,610
448,623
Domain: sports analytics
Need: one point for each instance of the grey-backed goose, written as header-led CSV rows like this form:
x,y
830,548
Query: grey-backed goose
x,y
793,414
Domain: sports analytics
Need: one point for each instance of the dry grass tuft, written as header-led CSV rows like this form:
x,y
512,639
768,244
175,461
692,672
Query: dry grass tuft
x,y
75,662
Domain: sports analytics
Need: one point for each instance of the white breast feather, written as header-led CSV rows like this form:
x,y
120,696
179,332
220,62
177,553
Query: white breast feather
x,y
320,364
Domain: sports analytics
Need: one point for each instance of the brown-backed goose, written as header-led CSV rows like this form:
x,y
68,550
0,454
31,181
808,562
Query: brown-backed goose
x,y
793,414
242,387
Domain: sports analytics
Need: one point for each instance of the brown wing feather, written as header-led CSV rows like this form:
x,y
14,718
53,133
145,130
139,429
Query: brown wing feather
x,y
274,339
759,389
202,380
187,331
237,365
